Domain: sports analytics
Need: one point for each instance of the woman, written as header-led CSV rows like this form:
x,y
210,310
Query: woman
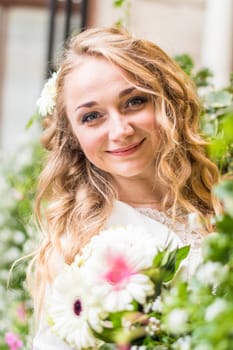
x,y
123,147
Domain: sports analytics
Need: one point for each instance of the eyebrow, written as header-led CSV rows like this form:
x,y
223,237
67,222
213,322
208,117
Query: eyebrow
x,y
126,91
94,103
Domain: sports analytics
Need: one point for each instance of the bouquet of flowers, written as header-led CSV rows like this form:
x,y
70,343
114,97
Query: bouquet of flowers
x,y
110,296
124,292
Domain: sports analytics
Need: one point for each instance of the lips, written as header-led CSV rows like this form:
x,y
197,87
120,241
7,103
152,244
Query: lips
x,y
126,150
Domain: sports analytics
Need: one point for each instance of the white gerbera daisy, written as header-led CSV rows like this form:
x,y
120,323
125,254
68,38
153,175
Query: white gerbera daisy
x,y
47,100
116,258
70,309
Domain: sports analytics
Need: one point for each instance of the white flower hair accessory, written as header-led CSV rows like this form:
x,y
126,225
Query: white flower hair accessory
x,y
47,100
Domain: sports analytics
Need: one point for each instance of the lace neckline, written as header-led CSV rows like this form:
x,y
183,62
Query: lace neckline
x,y
164,217
188,233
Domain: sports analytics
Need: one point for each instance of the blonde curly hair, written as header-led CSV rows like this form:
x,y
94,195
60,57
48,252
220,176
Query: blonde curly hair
x,y
74,196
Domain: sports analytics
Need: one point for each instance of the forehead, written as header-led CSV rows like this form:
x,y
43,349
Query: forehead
x,y
94,79
92,72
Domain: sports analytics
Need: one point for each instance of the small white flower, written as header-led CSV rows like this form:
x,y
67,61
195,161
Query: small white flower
x,y
12,254
153,325
157,304
177,321
147,307
4,187
170,298
211,273
209,241
28,246
23,159
70,309
216,308
17,194
47,100
3,217
19,237
4,275
203,346
183,343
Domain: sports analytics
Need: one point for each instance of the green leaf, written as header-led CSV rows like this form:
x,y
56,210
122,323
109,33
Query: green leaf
x,y
181,254
173,262
225,189
218,99
185,62
35,117
202,76
168,267
118,3
108,347
119,23
225,224
165,265
158,258
227,127
116,319
126,336
107,335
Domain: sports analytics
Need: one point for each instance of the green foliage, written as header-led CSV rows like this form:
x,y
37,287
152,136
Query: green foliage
x,y
124,6
18,238
217,115
225,193
166,264
201,77
208,298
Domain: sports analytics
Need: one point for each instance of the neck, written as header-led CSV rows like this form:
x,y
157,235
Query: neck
x,y
153,204
141,193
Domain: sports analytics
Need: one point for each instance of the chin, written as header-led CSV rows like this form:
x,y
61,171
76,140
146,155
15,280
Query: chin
x,y
130,173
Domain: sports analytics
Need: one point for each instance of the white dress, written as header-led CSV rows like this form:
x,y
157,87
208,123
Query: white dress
x,y
181,232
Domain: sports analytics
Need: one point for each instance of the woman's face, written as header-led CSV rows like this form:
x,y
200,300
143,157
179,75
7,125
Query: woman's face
x,y
113,121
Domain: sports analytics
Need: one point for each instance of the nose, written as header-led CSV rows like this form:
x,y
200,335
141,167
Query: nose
x,y
120,127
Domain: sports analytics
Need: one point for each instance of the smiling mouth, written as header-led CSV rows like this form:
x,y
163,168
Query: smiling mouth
x,y
127,150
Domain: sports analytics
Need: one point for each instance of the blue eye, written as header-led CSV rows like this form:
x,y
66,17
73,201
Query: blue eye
x,y
89,117
136,102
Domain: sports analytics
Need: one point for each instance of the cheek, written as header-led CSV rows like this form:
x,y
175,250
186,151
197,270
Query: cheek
x,y
89,143
147,121
152,127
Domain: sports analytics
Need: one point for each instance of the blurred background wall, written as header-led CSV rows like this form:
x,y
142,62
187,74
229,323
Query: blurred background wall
x,y
32,33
